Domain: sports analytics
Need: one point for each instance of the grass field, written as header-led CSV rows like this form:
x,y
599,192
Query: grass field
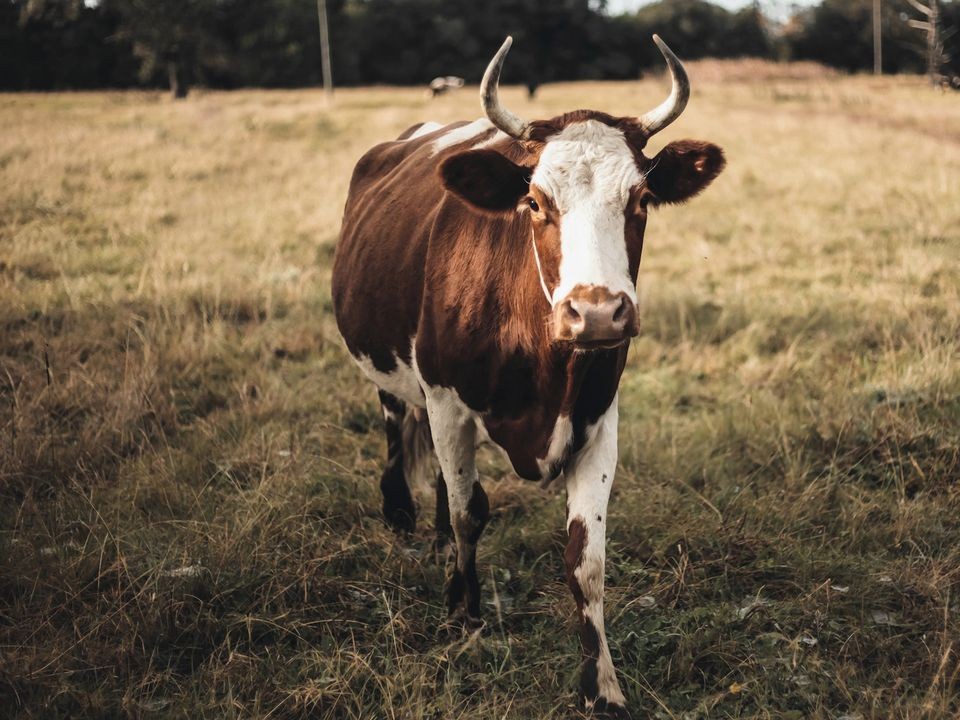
x,y
190,519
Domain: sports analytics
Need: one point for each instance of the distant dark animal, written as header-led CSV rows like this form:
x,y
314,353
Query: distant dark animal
x,y
440,85
486,273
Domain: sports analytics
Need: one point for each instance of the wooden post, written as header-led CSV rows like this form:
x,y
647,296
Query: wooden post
x,y
934,46
325,49
877,38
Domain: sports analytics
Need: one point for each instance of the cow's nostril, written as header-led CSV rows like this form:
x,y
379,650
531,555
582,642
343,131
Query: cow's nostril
x,y
621,311
570,313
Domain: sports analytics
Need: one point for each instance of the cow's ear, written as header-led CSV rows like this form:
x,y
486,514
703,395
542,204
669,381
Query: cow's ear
x,y
683,169
485,179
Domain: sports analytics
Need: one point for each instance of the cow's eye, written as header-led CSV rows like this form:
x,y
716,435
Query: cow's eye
x,y
533,205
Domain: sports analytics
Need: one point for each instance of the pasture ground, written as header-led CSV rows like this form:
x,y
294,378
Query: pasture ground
x,y
190,521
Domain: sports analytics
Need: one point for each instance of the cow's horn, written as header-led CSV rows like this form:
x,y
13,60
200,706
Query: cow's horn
x,y
501,117
670,109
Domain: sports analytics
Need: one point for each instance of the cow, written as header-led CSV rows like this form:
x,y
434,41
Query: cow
x,y
485,281
440,85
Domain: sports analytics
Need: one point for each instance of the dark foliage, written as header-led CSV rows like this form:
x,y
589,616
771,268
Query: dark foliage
x,y
839,33
60,44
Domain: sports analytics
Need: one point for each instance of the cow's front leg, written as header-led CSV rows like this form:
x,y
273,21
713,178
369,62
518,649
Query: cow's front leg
x,y
589,478
455,440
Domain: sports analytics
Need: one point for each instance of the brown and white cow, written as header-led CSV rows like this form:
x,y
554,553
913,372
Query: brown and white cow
x,y
486,272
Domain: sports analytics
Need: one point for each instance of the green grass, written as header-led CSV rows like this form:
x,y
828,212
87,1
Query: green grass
x,y
189,460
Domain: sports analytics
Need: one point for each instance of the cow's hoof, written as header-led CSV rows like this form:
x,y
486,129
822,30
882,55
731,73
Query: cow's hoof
x,y
400,518
460,621
609,710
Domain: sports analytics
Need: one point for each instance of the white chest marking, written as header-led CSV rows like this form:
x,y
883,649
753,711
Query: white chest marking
x,y
559,446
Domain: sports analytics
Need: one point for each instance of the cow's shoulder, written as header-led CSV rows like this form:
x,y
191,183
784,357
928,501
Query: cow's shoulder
x,y
418,148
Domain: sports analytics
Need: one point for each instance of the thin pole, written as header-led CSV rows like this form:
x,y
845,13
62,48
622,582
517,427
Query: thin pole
x,y
877,39
325,48
933,44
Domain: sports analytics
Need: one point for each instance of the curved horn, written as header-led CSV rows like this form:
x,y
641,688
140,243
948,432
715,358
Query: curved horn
x,y
502,118
670,109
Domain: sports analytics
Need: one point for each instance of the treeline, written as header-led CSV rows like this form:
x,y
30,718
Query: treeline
x,y
72,44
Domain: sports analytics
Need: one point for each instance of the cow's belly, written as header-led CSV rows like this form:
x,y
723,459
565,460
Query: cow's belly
x,y
538,446
404,383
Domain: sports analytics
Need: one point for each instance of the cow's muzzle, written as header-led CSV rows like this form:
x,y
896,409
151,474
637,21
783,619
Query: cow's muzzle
x,y
592,317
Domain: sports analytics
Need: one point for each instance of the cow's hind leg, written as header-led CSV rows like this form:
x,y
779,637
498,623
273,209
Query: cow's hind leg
x,y
454,437
398,508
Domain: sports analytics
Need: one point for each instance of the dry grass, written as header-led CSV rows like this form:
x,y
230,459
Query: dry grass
x,y
753,70
189,460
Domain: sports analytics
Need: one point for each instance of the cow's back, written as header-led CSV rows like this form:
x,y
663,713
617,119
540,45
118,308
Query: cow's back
x,y
378,270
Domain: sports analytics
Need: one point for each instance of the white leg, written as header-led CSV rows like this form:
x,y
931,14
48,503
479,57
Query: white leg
x,y
455,440
589,479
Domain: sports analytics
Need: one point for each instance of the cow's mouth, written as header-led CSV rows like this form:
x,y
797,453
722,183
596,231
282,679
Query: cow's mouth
x,y
610,344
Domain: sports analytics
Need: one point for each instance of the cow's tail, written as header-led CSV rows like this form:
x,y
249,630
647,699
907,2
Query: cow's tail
x,y
418,457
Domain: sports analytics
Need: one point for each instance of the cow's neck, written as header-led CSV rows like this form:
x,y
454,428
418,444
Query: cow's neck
x,y
566,391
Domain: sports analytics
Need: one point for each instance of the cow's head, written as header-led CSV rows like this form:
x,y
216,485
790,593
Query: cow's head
x,y
586,185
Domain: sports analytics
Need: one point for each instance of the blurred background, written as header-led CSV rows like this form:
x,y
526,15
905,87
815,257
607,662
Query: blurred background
x,y
86,44
190,517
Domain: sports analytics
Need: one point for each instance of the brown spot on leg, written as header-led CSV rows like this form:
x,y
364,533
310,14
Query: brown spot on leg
x,y
590,691
589,685
471,524
444,530
590,641
573,558
590,646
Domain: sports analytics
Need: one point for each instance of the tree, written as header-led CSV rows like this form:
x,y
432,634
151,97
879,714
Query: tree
x,y
412,41
697,28
932,28
60,44
175,36
54,44
840,33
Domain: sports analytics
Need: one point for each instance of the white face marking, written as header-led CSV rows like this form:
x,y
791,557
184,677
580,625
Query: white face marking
x,y
460,134
588,169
